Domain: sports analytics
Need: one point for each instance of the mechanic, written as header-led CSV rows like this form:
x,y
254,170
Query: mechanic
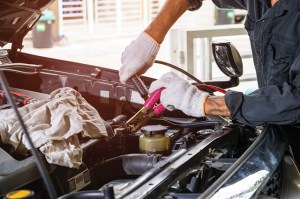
x,y
274,30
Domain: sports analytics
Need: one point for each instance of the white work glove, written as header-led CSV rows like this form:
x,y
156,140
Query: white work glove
x,y
180,94
138,57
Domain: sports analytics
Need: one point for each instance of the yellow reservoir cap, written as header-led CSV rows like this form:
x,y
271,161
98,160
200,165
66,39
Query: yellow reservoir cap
x,y
20,194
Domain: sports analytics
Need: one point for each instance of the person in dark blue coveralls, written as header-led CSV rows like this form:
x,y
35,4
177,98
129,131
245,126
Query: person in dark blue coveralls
x,y
274,30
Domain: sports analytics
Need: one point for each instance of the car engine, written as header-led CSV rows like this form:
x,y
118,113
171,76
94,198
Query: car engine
x,y
171,156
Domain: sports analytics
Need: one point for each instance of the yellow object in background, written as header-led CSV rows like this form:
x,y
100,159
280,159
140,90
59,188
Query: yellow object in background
x,y
20,194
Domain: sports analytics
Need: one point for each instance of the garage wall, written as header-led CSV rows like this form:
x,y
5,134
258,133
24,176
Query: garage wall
x,y
72,15
112,17
117,17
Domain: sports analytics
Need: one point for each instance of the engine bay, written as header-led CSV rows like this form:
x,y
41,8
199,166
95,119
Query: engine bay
x,y
171,156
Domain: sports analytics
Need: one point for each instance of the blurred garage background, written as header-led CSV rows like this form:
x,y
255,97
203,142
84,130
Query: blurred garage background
x,y
97,31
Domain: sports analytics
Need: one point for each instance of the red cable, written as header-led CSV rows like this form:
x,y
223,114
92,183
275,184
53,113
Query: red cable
x,y
211,87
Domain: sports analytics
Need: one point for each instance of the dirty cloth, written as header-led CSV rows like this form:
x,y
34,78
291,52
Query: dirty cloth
x,y
54,125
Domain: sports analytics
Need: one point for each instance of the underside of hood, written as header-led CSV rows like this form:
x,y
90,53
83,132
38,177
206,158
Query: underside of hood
x,y
17,18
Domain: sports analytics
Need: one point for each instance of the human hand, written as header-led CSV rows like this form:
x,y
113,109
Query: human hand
x,y
180,94
138,57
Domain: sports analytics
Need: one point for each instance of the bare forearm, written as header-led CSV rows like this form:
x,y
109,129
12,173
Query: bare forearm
x,y
215,105
164,20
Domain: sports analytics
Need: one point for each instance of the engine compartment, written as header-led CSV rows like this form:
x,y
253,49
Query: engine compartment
x,y
201,149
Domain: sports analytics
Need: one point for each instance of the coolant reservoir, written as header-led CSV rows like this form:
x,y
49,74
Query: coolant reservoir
x,y
153,140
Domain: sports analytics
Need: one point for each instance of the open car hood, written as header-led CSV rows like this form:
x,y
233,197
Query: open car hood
x,y
17,18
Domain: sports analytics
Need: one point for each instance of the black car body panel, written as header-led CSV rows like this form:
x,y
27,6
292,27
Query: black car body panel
x,y
17,18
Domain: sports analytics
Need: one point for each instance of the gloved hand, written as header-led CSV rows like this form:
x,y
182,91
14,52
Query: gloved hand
x,y
180,94
138,57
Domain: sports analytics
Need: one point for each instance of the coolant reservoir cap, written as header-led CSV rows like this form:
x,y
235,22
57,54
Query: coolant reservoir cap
x,y
150,130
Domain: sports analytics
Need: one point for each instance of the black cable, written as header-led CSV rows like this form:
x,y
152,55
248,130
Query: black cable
x,y
180,70
84,194
39,163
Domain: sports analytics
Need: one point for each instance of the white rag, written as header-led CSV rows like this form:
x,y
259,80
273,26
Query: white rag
x,y
54,125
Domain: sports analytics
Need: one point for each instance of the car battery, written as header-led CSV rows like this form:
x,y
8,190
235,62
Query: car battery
x,y
71,180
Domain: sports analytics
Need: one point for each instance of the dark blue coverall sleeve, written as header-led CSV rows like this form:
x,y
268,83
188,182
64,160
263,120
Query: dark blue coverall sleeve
x,y
273,40
269,105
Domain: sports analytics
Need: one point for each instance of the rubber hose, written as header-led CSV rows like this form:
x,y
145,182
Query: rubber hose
x,y
123,167
132,164
138,164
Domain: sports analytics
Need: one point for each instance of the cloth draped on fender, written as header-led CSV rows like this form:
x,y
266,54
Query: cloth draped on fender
x,y
54,125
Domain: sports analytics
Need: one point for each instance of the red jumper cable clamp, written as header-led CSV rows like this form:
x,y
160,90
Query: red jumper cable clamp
x,y
150,109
